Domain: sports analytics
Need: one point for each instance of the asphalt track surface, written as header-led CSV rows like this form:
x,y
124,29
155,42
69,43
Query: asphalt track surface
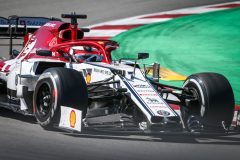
x,y
22,138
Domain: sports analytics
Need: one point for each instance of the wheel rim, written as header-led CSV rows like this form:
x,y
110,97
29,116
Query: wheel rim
x,y
44,100
197,106
193,115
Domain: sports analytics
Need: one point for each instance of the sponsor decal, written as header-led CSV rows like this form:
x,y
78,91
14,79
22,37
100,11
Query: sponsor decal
x,y
53,42
163,113
50,25
88,78
147,94
145,91
27,49
3,21
106,72
152,100
87,71
141,86
29,21
156,106
72,119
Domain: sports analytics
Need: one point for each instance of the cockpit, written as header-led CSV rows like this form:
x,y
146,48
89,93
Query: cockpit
x,y
86,50
87,54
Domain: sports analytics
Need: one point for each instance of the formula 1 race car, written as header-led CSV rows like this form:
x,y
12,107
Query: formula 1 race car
x,y
71,82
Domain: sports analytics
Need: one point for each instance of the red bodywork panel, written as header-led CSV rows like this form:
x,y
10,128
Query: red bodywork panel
x,y
1,64
60,37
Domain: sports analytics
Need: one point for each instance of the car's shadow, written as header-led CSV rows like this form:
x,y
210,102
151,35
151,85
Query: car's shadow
x,y
217,139
17,116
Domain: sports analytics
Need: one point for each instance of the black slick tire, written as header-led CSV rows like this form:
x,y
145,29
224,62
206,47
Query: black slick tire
x,y
215,99
58,87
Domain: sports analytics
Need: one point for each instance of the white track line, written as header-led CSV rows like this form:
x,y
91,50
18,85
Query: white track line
x,y
103,33
141,20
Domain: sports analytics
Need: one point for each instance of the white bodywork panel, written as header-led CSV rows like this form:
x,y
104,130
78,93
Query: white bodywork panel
x,y
139,89
71,118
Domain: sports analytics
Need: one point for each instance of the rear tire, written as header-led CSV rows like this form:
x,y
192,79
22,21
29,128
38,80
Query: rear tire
x,y
58,87
215,100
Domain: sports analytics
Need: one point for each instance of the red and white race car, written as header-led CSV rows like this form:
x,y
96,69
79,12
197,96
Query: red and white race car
x,y
69,82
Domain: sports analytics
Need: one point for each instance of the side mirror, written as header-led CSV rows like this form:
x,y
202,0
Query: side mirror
x,y
143,55
44,53
85,29
15,53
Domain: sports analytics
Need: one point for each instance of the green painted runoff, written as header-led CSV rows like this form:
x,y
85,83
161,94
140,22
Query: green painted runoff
x,y
207,42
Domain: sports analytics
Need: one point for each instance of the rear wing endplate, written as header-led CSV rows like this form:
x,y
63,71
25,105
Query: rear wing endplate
x,y
15,26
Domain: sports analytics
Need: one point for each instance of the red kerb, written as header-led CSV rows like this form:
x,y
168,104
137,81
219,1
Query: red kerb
x,y
166,16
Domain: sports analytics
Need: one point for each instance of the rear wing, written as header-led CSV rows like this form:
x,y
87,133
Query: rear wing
x,y
15,26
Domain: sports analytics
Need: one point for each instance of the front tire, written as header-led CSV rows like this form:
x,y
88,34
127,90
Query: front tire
x,y
215,100
58,87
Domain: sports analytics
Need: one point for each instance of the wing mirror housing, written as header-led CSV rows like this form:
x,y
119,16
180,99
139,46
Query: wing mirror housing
x,y
143,55
44,53
15,53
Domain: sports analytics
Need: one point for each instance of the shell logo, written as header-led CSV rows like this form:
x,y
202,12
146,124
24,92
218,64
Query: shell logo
x,y
72,119
88,78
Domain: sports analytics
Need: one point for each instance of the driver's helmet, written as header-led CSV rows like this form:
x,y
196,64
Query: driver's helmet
x,y
89,57
88,48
